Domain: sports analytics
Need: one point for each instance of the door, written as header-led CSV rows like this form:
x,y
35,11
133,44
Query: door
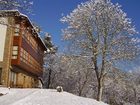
x,y
0,76
13,79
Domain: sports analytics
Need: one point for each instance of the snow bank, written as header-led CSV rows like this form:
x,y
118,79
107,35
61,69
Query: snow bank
x,y
43,97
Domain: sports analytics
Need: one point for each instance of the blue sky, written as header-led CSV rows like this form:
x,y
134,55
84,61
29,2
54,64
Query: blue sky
x,y
48,14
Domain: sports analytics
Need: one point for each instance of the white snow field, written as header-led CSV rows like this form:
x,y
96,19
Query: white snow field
x,y
42,97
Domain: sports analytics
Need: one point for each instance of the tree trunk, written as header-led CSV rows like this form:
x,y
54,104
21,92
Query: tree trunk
x,y
49,79
135,95
99,80
102,74
100,89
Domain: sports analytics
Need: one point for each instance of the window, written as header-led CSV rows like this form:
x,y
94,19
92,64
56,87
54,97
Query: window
x,y
27,35
23,32
17,29
15,52
29,60
0,75
13,78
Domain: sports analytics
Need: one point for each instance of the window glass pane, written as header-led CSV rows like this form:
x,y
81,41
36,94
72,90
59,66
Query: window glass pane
x,y
15,47
16,30
28,38
17,25
15,52
23,32
16,34
21,54
14,57
21,58
12,78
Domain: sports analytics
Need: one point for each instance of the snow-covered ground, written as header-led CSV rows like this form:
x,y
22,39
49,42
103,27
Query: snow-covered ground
x,y
42,97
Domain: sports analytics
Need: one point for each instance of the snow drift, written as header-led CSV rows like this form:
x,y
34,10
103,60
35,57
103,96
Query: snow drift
x,y
42,97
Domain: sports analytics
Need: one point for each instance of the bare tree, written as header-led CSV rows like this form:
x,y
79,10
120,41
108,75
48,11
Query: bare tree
x,y
49,69
50,61
75,75
22,5
133,84
78,69
102,31
71,72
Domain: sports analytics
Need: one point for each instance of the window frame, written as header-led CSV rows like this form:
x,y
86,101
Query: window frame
x,y
15,50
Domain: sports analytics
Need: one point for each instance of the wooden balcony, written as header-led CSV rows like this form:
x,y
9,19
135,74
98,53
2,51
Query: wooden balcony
x,y
29,60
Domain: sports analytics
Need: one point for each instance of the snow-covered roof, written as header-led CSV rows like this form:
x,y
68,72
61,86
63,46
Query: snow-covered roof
x,y
17,13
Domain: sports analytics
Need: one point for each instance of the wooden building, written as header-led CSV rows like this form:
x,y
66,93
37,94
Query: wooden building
x,y
21,51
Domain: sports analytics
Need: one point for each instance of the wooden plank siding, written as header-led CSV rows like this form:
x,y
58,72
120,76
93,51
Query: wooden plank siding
x,y
23,43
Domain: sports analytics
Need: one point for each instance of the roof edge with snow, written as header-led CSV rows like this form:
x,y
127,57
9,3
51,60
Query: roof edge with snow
x,y
6,13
